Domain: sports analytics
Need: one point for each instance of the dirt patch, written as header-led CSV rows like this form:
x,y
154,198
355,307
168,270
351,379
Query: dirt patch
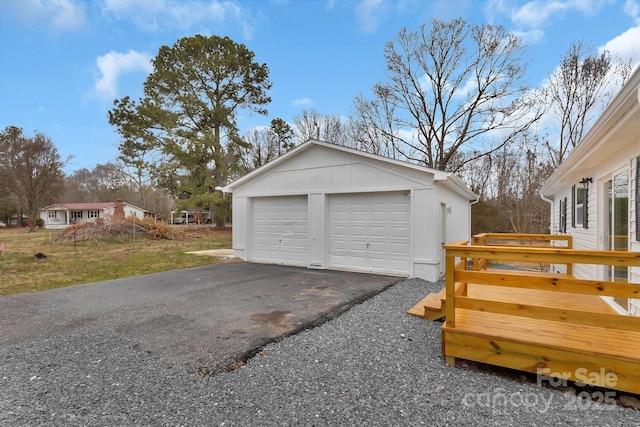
x,y
275,321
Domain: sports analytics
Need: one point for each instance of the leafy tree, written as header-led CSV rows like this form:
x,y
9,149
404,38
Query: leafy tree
x,y
283,134
185,125
584,80
30,170
451,87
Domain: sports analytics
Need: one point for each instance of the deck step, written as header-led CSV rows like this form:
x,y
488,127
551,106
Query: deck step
x,y
433,306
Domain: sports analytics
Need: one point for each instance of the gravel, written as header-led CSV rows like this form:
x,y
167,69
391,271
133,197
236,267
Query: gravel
x,y
373,365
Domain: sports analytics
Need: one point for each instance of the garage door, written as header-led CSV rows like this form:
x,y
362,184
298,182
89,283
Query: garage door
x,y
280,230
370,232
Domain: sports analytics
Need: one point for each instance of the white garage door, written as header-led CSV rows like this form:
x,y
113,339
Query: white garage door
x,y
280,233
370,232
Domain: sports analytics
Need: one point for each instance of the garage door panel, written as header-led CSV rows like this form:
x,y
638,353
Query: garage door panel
x,y
280,230
370,232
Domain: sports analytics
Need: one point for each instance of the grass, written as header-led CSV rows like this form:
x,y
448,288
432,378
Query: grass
x,y
93,261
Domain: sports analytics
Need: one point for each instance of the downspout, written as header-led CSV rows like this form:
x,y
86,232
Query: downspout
x,y
550,206
471,204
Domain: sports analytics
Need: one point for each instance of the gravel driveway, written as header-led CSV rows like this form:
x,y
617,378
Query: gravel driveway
x,y
373,365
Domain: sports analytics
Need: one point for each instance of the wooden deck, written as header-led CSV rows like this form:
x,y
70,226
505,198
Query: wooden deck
x,y
551,324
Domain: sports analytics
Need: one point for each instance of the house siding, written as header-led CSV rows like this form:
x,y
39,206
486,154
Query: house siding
x,y
64,213
634,243
610,147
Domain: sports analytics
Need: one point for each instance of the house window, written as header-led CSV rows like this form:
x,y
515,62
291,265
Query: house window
x,y
52,214
76,214
93,214
579,212
563,216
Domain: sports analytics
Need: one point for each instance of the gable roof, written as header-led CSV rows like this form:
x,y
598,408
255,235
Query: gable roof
x,y
447,178
86,206
615,129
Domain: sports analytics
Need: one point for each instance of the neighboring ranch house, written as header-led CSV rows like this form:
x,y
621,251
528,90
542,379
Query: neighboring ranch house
x,y
61,215
595,193
330,207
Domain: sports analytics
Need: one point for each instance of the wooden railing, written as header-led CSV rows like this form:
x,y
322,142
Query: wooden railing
x,y
457,271
618,355
518,239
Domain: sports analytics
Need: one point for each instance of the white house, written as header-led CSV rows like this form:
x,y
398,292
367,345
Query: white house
x,y
595,193
61,215
330,207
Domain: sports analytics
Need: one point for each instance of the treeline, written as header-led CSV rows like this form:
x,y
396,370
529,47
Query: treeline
x,y
454,99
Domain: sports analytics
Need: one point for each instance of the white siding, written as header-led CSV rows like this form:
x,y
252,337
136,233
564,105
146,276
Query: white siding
x,y
401,241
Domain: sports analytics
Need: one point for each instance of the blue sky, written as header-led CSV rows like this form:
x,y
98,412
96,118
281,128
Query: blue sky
x,y
63,62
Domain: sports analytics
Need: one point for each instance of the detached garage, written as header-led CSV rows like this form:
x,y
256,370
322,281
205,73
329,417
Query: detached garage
x,y
326,206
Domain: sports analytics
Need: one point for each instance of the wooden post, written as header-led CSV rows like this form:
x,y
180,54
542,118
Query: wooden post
x,y
451,290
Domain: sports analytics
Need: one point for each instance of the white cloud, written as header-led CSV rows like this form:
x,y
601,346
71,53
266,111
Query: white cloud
x,y
625,46
533,16
302,102
632,8
463,92
530,37
54,15
157,14
536,13
113,64
247,30
369,13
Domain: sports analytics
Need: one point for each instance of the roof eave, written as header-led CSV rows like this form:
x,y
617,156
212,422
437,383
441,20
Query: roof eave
x,y
622,110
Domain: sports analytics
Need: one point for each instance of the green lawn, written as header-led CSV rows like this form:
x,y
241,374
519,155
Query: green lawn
x,y
95,260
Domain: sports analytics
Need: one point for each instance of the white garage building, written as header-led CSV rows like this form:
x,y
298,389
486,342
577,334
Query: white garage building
x,y
326,206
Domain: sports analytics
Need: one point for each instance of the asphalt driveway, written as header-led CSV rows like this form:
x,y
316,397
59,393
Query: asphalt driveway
x,y
203,319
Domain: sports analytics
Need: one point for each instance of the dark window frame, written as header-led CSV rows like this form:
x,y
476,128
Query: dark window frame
x,y
580,210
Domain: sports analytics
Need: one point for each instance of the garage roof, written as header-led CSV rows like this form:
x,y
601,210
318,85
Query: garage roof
x,y
447,179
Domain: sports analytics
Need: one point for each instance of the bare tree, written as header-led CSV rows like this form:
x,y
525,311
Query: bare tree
x,y
266,144
30,169
451,86
310,124
375,131
509,181
262,147
7,205
105,182
307,125
584,80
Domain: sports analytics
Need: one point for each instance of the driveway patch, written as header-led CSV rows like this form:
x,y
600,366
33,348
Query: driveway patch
x,y
204,318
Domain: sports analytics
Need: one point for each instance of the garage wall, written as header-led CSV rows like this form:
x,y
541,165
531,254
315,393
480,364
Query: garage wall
x,y
323,174
424,219
458,222
322,170
239,235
